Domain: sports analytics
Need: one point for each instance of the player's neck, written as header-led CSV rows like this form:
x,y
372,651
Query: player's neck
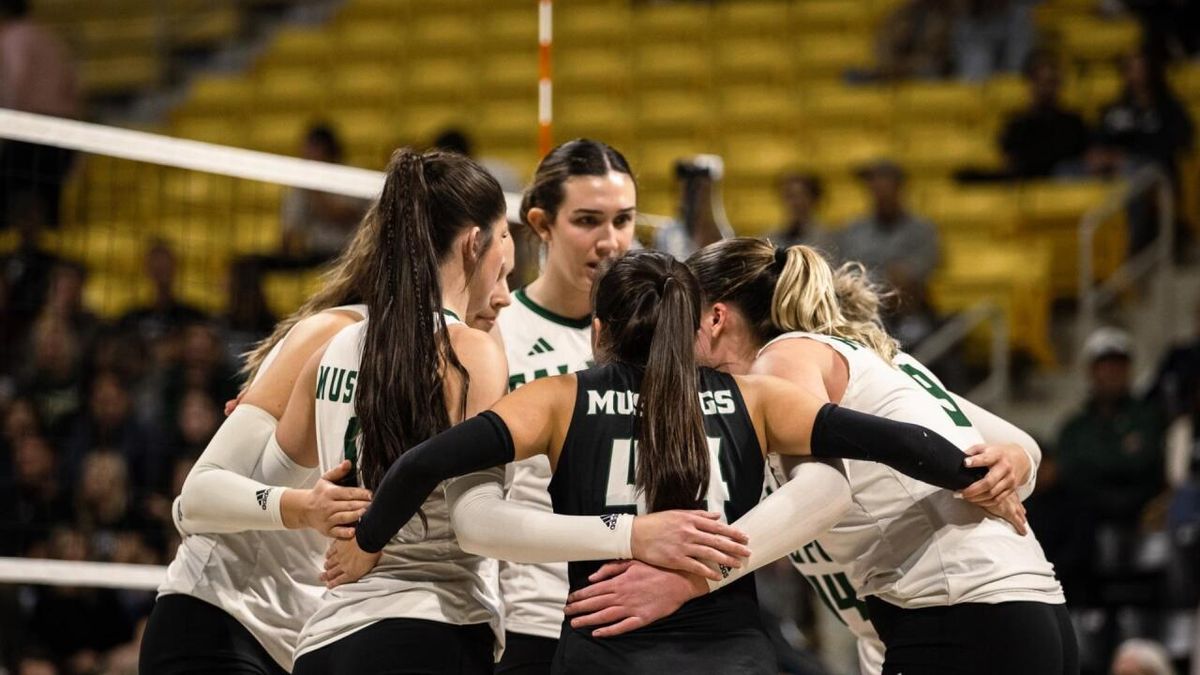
x,y
559,297
456,300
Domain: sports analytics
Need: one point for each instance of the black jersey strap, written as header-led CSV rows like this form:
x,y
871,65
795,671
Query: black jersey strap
x,y
479,443
910,449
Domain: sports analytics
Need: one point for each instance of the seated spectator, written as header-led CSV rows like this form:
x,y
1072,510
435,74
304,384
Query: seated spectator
x,y
1037,139
105,511
897,247
316,225
1177,385
166,312
1110,453
991,36
109,422
248,318
1141,657
915,41
35,502
800,193
53,379
196,420
26,273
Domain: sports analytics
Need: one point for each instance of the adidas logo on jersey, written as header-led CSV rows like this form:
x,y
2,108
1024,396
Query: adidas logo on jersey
x,y
262,496
540,347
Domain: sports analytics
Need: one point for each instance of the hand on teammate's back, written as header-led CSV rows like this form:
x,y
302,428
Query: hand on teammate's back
x,y
345,562
630,594
327,507
1008,468
1012,510
686,540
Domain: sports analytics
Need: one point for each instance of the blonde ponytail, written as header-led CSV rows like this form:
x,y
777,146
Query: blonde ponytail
x,y
811,297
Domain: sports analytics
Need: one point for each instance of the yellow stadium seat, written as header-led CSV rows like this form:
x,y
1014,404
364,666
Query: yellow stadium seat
x,y
845,200
940,101
120,74
1099,88
836,106
221,130
281,133
508,121
824,16
206,27
366,131
1186,81
990,211
591,68
759,158
512,29
128,35
753,58
681,21
379,42
944,149
844,152
673,64
1094,39
678,110
601,23
301,45
444,79
375,10
291,87
366,85
1005,94
286,291
422,120
514,73
452,33
594,116
758,107
1052,210
752,18
753,210
220,93
112,295
830,55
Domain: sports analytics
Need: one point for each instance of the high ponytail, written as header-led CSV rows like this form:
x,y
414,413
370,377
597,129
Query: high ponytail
x,y
794,289
810,297
648,304
406,353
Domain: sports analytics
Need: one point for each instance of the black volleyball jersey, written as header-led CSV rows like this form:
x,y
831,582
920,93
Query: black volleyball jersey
x,y
596,475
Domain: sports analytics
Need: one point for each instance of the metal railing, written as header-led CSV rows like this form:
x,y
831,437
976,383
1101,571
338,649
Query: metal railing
x,y
996,388
1157,257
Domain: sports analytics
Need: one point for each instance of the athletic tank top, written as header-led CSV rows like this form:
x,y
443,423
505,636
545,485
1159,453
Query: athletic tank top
x,y
268,581
910,543
423,574
538,343
596,469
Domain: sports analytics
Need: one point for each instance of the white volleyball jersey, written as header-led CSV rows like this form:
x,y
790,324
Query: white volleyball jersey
x,y
538,343
423,574
910,543
268,581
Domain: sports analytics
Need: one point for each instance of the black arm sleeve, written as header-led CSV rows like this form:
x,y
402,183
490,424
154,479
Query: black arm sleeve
x,y
479,443
910,449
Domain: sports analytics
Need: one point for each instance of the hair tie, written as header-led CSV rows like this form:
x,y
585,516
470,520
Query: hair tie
x,y
781,256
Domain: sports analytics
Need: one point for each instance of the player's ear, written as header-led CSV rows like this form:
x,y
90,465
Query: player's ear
x,y
539,222
596,326
717,319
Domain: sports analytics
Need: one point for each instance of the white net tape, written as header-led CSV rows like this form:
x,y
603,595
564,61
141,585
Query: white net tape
x,y
70,573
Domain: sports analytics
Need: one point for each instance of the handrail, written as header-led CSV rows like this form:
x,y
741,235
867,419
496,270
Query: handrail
x,y
996,388
1093,297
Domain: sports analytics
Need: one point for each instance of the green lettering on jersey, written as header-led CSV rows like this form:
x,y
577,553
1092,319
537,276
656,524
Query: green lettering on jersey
x,y
350,377
322,373
949,405
838,594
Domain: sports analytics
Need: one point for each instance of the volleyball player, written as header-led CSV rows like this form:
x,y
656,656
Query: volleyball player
x,y
581,205
702,447
240,587
948,590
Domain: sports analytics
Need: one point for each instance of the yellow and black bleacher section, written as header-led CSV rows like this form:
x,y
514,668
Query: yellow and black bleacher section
x,y
760,82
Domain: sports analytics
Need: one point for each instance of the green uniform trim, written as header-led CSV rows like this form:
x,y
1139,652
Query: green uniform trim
x,y
551,316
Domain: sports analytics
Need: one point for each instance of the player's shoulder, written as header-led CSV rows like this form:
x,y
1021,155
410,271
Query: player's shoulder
x,y
323,325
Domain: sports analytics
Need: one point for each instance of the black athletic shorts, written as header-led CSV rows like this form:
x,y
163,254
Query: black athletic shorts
x,y
526,655
187,636
405,647
1008,638
737,651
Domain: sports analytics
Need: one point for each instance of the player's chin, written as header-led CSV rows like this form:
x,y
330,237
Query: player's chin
x,y
485,325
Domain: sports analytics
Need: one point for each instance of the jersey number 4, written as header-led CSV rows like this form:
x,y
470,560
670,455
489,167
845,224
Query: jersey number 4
x,y
622,473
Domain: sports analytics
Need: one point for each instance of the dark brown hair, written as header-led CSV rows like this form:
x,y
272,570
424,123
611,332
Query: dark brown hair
x,y
427,200
649,307
580,157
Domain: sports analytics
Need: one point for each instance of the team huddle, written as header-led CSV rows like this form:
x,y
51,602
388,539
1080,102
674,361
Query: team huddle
x,y
427,473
